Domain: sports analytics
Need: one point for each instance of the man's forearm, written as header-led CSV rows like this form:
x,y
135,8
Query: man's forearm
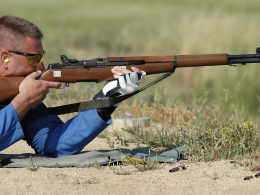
x,y
21,105
10,128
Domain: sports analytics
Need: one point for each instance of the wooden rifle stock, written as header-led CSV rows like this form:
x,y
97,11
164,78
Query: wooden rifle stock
x,y
9,87
99,69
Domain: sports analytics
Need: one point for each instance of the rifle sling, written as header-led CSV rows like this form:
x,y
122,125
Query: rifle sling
x,y
87,105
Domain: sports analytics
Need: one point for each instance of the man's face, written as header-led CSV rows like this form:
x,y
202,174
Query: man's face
x,y
18,65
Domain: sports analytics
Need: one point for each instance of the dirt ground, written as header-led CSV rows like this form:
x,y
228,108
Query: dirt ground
x,y
220,177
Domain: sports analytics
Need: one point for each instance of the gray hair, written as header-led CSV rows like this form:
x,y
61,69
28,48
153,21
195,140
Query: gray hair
x,y
14,30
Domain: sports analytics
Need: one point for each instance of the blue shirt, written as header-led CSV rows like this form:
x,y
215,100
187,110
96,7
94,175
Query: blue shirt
x,y
48,135
10,127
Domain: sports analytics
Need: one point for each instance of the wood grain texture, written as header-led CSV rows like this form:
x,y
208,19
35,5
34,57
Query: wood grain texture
x,y
9,87
201,60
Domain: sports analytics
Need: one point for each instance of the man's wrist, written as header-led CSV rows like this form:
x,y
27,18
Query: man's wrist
x,y
104,113
21,104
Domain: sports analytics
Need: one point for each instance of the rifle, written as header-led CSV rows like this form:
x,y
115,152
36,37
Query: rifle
x,y
99,69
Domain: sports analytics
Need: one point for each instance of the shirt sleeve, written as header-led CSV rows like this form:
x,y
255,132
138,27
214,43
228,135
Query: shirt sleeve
x,y
49,136
10,127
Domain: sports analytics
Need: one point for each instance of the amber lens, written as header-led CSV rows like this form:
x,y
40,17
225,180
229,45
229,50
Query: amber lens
x,y
35,60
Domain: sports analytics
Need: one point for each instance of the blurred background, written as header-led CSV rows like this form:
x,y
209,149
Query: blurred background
x,y
87,29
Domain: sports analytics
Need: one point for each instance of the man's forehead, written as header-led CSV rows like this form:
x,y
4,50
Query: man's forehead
x,y
32,43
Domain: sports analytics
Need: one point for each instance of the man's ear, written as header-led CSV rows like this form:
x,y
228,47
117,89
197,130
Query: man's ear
x,y
4,58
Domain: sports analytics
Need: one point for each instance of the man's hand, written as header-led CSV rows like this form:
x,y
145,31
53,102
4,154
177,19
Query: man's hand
x,y
31,93
125,82
118,71
36,89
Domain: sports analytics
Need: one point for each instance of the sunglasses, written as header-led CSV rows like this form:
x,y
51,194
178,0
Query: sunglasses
x,y
32,59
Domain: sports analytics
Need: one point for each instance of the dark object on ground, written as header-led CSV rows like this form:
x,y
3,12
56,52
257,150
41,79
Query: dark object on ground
x,y
4,160
248,177
174,169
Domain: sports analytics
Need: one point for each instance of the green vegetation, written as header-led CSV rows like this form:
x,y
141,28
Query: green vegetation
x,y
119,171
216,110
32,167
208,133
93,180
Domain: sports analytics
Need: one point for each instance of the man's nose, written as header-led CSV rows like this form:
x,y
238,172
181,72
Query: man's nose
x,y
40,67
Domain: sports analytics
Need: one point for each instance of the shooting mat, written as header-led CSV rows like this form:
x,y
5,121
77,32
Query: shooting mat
x,y
88,158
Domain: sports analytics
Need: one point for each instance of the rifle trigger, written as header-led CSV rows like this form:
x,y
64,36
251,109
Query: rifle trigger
x,y
67,84
232,64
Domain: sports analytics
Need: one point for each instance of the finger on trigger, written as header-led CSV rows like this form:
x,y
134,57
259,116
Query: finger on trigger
x,y
54,85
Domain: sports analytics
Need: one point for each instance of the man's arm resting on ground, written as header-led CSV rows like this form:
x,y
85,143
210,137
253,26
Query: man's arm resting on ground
x,y
10,127
49,136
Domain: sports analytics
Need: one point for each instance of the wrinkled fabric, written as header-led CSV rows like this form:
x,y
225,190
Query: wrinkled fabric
x,y
48,135
10,127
